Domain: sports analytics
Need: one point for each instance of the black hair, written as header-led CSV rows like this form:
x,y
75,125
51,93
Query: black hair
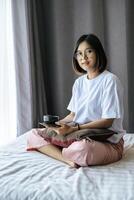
x,y
95,43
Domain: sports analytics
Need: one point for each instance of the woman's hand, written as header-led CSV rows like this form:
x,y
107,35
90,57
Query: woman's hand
x,y
61,122
63,129
69,118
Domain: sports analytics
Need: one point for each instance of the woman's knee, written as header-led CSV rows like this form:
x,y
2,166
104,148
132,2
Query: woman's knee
x,y
78,152
77,147
90,152
34,140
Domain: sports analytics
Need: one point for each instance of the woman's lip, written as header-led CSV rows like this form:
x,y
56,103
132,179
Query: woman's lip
x,y
85,63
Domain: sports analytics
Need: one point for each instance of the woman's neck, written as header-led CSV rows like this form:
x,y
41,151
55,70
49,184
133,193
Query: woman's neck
x,y
92,74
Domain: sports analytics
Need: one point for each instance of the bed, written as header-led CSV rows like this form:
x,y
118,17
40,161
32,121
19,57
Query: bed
x,y
34,176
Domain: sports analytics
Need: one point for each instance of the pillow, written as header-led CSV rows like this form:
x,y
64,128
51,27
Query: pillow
x,y
65,140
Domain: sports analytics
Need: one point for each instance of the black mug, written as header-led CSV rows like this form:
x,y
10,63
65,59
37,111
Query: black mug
x,y
50,119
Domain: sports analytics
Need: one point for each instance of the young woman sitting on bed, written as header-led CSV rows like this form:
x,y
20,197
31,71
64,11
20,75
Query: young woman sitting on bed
x,y
97,102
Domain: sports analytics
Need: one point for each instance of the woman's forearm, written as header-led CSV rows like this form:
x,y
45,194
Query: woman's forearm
x,y
102,123
68,118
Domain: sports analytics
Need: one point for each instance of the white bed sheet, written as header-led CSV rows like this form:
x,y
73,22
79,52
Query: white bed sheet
x,y
34,176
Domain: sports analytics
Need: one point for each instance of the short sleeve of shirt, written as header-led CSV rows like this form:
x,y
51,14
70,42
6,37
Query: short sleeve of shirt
x,y
112,99
72,103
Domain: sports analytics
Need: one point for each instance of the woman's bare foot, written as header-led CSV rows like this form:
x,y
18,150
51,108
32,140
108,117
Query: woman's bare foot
x,y
72,164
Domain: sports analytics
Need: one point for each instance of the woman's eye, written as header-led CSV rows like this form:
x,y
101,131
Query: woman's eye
x,y
89,51
78,54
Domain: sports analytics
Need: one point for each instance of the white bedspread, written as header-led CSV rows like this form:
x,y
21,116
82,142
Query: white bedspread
x,y
34,176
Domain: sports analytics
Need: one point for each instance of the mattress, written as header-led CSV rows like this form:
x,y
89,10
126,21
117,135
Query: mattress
x,y
30,175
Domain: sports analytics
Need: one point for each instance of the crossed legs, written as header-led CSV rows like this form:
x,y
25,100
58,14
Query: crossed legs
x,y
79,153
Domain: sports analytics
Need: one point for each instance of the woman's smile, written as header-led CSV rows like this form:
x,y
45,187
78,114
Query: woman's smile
x,y
85,63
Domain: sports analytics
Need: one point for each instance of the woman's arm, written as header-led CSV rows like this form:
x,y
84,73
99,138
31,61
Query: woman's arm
x,y
67,119
101,123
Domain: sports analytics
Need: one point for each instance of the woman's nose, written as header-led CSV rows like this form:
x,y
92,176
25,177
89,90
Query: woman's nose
x,y
84,56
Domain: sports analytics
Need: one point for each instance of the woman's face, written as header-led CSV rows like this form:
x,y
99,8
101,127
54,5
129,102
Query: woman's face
x,y
86,56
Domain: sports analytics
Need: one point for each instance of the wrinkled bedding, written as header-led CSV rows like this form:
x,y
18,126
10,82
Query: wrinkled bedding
x,y
33,176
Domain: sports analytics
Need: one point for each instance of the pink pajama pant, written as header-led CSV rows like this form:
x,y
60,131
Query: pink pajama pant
x,y
83,152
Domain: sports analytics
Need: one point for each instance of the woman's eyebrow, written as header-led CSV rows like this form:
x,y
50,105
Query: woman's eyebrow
x,y
84,49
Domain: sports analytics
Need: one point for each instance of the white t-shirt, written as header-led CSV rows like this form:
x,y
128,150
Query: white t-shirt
x,y
97,98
